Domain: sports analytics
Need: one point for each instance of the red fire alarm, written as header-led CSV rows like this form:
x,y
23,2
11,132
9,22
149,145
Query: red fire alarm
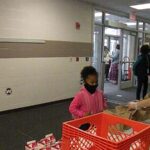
x,y
77,25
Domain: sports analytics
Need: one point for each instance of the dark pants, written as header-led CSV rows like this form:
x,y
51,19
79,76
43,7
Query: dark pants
x,y
142,82
107,66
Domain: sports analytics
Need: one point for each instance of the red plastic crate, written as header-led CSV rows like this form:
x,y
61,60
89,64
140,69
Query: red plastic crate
x,y
105,133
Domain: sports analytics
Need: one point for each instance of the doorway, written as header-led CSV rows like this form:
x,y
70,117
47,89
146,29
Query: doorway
x,y
112,38
110,31
126,40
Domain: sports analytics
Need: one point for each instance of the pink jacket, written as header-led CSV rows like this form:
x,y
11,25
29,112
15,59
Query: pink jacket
x,y
86,103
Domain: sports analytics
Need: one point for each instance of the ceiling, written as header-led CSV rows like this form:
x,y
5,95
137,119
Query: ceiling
x,y
123,6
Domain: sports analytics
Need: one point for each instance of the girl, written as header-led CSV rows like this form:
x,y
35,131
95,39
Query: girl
x,y
89,100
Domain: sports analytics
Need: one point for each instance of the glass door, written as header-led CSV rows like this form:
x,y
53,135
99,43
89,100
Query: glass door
x,y
113,42
112,39
127,59
106,42
110,42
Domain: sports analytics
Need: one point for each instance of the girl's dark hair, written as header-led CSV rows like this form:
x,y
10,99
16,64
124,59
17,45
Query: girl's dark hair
x,y
145,49
88,70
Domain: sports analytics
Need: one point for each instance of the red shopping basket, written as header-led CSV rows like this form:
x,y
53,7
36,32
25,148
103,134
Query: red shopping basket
x,y
106,132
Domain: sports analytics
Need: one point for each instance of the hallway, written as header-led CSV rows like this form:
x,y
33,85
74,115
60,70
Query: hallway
x,y
116,96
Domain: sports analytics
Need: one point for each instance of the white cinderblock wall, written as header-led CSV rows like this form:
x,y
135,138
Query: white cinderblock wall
x,y
40,80
45,19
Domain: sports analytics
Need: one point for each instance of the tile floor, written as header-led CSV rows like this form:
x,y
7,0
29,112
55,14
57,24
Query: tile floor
x,y
19,126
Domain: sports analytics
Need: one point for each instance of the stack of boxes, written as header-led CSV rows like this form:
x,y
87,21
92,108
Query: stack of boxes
x,y
47,143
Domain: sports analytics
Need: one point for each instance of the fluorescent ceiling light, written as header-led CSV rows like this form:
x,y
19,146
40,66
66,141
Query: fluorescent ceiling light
x,y
141,6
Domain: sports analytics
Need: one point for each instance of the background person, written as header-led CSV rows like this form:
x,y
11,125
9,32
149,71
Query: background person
x,y
141,70
113,75
107,60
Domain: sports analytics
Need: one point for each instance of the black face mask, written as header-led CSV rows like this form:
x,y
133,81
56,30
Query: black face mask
x,y
91,88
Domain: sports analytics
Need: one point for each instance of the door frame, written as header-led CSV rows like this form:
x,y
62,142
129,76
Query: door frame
x,y
98,58
130,83
115,38
101,68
